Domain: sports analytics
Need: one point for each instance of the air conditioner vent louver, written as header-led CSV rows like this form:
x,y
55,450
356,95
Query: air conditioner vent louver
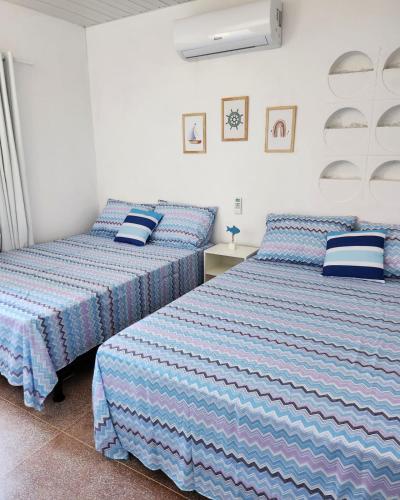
x,y
220,52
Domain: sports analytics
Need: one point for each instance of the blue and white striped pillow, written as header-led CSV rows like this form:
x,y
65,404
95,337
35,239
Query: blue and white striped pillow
x,y
356,254
138,226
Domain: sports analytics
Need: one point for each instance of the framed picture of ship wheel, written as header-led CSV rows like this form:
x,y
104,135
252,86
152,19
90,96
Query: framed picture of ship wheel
x,y
194,130
235,118
280,129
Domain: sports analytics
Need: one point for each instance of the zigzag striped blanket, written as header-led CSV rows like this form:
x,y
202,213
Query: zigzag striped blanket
x,y
269,381
58,300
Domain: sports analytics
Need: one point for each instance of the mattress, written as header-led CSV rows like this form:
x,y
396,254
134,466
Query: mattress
x,y
269,381
60,299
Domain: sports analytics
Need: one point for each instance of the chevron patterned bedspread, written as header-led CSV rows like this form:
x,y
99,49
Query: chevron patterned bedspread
x,y
58,300
269,381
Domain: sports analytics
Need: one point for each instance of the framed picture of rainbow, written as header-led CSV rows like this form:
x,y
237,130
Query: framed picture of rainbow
x,y
280,129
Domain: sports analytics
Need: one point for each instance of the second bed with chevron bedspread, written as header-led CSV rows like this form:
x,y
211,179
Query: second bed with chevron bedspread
x,y
60,299
269,381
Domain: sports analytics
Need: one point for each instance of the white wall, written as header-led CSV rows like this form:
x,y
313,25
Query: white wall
x,y
140,87
56,119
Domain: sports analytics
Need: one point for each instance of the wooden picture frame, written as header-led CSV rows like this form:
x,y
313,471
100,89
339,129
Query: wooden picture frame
x,y
235,124
280,129
194,133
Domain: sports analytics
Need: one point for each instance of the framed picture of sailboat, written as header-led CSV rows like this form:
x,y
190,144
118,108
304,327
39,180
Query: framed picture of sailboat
x,y
194,132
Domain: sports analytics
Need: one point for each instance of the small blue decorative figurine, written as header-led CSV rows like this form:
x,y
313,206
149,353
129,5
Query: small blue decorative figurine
x,y
234,231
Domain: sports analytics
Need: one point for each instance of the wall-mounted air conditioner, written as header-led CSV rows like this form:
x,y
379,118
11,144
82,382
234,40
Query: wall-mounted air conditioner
x,y
256,25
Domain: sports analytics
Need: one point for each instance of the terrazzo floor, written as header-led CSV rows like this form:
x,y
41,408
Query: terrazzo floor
x,y
51,455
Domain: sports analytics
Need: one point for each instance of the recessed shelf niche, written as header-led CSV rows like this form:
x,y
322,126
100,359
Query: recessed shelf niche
x,y
391,72
388,129
384,183
350,73
346,131
340,181
389,171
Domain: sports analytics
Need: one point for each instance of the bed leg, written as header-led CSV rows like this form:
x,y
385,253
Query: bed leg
x,y
58,393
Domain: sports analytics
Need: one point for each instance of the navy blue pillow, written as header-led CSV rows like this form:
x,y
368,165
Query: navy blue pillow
x,y
138,226
355,254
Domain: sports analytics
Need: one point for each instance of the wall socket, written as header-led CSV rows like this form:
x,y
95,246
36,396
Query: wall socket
x,y
237,205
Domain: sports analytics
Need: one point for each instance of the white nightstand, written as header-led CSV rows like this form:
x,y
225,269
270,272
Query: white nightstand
x,y
220,258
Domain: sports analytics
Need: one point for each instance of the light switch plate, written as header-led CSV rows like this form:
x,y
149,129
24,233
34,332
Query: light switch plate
x,y
237,205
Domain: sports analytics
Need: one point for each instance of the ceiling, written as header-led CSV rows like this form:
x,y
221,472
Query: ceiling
x,y
91,12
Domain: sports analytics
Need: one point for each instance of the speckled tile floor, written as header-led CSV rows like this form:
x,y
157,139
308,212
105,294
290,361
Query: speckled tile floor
x,y
51,455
